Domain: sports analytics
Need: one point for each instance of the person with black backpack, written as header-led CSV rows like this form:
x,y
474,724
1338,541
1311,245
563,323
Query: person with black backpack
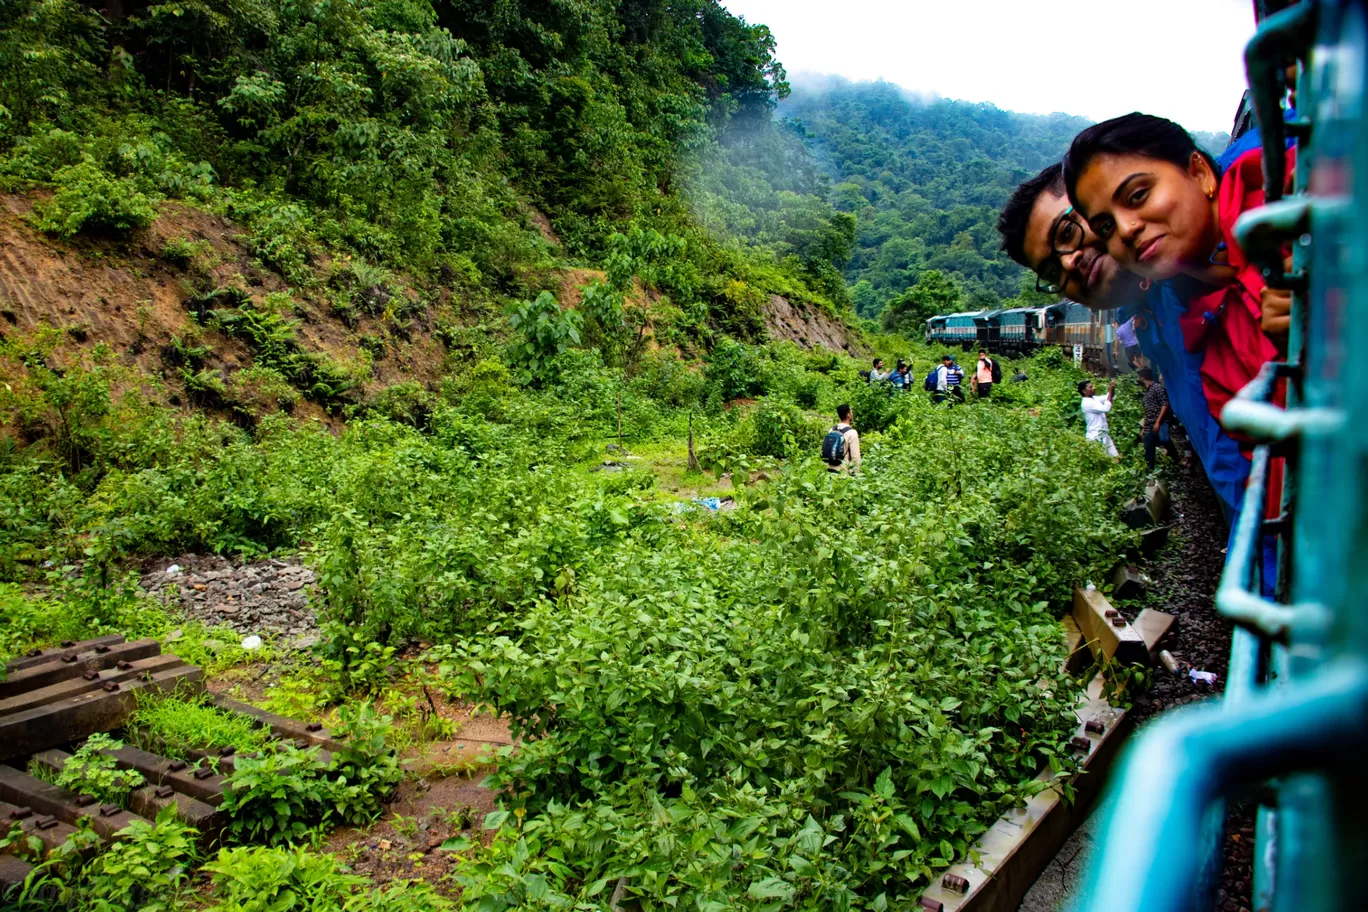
x,y
987,373
841,445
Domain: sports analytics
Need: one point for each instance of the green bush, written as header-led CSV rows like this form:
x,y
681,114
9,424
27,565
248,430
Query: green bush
x,y
280,880
733,369
89,199
276,798
284,794
807,392
363,777
782,431
91,770
297,880
147,868
546,331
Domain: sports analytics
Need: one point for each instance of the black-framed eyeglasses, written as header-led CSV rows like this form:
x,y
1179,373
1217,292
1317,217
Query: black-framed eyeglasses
x,y
1066,237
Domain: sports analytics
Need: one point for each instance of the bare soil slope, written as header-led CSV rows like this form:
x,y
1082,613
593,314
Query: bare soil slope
x,y
126,294
810,327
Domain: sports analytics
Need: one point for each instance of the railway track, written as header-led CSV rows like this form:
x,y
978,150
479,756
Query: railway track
x,y
53,700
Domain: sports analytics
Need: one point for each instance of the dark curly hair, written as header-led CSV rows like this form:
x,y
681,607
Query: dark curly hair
x,y
1012,221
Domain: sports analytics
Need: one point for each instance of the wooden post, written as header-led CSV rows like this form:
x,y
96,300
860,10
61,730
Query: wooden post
x,y
619,411
693,459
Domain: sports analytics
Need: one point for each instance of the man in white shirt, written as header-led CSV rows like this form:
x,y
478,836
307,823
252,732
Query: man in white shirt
x,y
945,380
1095,409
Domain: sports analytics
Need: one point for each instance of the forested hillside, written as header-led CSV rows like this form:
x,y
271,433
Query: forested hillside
x,y
427,139
925,180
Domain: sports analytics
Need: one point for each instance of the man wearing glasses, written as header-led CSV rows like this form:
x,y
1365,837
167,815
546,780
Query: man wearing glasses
x,y
1041,231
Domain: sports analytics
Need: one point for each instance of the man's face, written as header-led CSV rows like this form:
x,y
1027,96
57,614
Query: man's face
x,y
1089,390
1090,276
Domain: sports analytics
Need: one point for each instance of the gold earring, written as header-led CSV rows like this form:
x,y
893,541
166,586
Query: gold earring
x,y
1211,194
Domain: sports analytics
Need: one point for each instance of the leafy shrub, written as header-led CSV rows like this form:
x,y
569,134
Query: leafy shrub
x,y
67,406
282,795
181,251
87,198
91,771
262,389
807,392
274,345
280,880
370,285
546,331
781,431
876,406
362,778
734,370
281,234
404,403
184,351
206,388
275,798
297,880
146,868
670,381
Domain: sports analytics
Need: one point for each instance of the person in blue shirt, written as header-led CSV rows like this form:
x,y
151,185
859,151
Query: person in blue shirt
x,y
900,376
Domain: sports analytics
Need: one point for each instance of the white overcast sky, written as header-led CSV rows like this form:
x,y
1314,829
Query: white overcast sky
x,y
1180,59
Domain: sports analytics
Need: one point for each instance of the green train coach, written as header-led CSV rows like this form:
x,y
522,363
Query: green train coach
x,y
1024,330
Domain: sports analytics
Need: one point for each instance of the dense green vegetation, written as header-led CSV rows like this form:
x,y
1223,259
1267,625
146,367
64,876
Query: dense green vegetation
x,y
411,134
817,699
728,709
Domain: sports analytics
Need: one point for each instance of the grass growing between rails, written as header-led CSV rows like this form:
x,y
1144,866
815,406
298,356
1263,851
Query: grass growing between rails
x,y
177,724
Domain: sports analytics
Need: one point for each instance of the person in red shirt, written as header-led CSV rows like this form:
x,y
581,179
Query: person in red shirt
x,y
1167,213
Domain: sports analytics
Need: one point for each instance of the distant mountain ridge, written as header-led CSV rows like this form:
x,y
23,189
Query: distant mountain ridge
x,y
925,179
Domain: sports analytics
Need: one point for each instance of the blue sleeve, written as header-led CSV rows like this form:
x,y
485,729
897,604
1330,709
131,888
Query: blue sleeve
x,y
1161,341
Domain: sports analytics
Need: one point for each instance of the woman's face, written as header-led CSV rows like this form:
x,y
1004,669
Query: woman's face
x,y
1155,218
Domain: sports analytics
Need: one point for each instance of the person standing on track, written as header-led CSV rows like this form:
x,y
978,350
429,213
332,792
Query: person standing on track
x,y
954,380
1154,427
1095,409
1130,345
939,380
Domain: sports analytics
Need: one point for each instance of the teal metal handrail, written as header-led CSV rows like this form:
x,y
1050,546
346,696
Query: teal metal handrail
x,y
1194,757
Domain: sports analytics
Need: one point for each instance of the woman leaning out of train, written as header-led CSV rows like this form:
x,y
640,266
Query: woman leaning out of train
x,y
1166,212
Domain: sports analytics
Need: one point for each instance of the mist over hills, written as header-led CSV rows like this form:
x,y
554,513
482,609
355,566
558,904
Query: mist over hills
x,y
925,178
